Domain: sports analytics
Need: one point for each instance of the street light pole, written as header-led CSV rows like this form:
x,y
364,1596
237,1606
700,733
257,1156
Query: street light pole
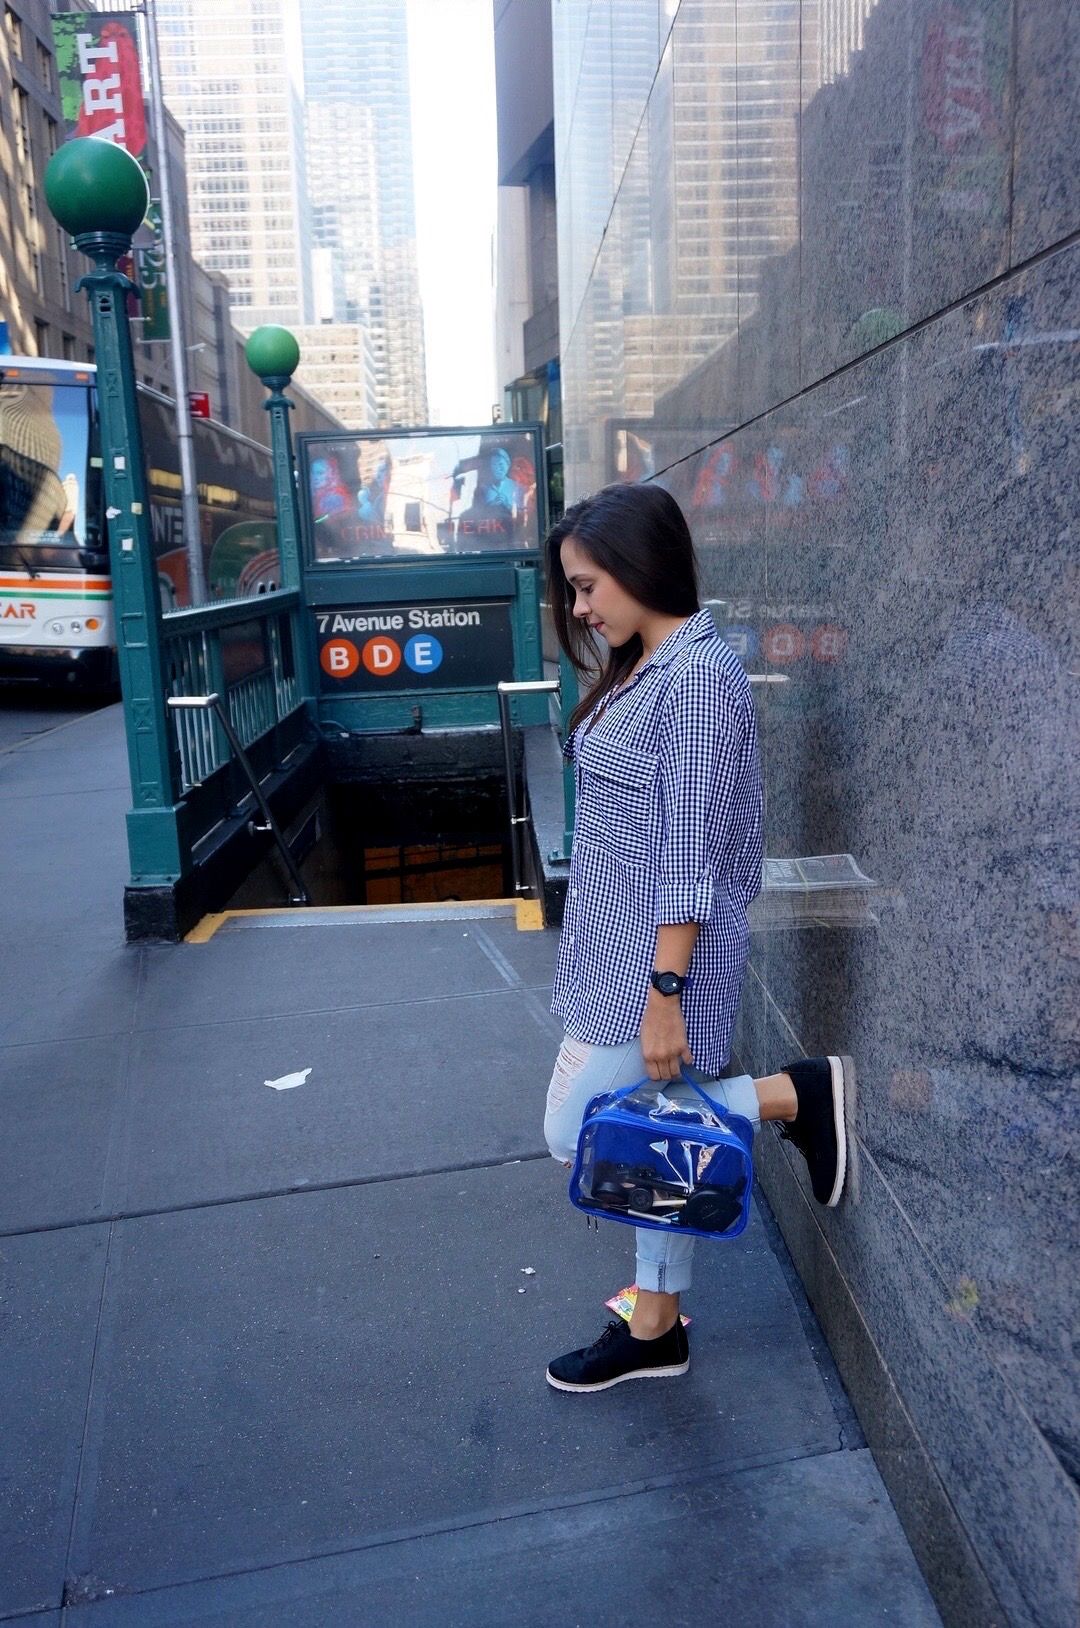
x,y
189,495
98,193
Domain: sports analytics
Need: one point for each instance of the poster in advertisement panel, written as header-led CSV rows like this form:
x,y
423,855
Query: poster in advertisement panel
x,y
430,492
97,64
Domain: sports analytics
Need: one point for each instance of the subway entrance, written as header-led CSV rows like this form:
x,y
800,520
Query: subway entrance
x,y
426,841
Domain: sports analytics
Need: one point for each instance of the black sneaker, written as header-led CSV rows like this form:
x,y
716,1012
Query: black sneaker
x,y
617,1356
818,1129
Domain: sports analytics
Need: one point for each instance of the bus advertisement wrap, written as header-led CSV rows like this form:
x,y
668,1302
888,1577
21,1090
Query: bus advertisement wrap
x,y
55,587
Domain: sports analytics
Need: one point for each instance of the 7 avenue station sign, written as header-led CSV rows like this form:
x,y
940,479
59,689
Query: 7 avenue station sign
x,y
406,647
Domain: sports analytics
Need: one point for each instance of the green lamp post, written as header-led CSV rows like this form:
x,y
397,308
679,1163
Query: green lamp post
x,y
99,194
273,356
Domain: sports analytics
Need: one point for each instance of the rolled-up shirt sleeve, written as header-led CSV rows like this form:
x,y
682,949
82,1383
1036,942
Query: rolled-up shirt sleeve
x,y
703,736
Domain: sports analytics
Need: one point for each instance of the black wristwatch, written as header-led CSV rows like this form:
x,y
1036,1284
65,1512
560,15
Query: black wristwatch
x,y
668,983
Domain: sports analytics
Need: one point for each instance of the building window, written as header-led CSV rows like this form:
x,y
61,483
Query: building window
x,y
41,337
14,31
67,346
22,124
45,70
62,267
52,136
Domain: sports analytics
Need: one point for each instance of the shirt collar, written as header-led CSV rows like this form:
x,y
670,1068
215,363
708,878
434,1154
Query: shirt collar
x,y
698,626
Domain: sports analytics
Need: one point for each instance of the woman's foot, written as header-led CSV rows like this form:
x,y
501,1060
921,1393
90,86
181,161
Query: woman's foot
x,y
818,1129
617,1355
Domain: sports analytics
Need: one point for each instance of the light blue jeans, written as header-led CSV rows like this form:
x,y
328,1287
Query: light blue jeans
x,y
583,1071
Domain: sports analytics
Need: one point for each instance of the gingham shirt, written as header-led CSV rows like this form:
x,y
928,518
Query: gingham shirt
x,y
668,829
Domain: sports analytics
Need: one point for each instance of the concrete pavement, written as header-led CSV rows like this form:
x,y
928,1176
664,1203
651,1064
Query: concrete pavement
x,y
266,1355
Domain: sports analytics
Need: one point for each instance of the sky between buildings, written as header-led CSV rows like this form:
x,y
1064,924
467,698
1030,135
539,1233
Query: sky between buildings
x,y
452,73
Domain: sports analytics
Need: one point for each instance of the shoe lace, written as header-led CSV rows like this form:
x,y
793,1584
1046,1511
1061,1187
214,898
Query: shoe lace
x,y
789,1132
608,1335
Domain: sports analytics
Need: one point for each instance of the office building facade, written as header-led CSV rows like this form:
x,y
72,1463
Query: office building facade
x,y
42,312
233,78
360,172
526,242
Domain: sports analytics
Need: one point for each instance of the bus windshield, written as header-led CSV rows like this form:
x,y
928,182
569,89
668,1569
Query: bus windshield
x,y
45,467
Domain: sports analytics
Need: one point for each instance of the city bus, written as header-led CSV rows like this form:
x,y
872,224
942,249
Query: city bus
x,y
56,607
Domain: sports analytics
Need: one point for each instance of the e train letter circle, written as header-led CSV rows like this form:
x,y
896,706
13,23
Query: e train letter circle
x,y
424,653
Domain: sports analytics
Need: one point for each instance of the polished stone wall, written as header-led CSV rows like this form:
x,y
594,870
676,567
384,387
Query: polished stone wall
x,y
818,274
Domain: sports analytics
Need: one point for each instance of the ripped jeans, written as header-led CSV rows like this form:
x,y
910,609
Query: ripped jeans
x,y
583,1071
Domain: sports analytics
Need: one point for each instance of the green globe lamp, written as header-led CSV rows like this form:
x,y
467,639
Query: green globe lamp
x,y
273,355
99,194
874,327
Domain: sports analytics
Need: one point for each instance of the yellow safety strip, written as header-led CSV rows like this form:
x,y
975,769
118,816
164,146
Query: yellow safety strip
x,y
528,914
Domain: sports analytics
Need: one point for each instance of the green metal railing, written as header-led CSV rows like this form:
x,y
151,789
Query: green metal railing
x,y
195,650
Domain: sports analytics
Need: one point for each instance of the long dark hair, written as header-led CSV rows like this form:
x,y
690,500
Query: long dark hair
x,y
637,533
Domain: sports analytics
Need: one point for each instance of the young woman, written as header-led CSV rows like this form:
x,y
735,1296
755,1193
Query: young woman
x,y
667,857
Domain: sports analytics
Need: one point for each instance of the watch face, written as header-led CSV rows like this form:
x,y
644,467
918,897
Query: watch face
x,y
668,983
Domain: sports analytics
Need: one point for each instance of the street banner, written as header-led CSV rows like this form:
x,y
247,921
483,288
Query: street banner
x,y
150,263
97,62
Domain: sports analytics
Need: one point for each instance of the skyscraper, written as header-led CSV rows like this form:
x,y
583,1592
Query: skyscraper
x,y
232,76
360,175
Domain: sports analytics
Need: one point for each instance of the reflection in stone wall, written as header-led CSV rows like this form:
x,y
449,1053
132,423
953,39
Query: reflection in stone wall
x,y
826,295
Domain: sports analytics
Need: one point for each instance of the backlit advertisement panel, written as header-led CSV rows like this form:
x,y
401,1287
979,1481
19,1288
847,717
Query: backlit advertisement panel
x,y
423,492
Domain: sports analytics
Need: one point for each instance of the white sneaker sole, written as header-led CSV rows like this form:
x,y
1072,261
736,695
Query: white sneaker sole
x,y
636,1373
836,1070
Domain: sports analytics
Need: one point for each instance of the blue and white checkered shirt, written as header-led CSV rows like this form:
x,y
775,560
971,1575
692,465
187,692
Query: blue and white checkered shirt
x,y
668,829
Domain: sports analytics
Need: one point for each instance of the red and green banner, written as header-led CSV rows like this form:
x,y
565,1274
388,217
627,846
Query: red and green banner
x,y
97,61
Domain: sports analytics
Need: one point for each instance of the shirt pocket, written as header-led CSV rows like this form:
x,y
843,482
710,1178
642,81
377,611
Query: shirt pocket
x,y
615,806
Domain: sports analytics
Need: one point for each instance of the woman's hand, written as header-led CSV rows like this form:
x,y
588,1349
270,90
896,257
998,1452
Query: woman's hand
x,y
663,1036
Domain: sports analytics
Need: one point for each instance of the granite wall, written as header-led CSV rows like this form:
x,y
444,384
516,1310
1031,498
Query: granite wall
x,y
819,274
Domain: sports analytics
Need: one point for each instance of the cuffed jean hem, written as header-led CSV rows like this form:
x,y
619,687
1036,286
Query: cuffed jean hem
x,y
664,1263
582,1071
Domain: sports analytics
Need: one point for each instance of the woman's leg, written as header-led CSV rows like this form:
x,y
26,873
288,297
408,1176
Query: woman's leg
x,y
664,1258
581,1072
809,1094
776,1097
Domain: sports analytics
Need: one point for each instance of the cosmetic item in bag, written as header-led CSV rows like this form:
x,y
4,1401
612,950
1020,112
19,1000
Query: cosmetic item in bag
x,y
653,1160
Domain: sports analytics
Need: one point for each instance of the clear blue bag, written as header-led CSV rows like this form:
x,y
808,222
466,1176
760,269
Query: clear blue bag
x,y
648,1160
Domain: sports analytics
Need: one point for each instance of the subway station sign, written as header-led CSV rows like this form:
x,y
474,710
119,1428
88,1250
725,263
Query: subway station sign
x,y
406,647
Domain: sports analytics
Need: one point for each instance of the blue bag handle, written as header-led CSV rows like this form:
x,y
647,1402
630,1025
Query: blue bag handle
x,y
687,1078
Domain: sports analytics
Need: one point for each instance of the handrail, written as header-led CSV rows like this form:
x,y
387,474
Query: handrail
x,y
228,612
212,702
506,688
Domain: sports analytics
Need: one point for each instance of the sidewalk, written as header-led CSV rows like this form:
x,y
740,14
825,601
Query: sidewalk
x,y
266,1356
